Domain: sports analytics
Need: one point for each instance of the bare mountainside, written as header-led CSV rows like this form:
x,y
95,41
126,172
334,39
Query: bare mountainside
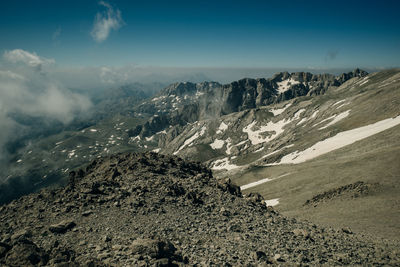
x,y
159,123
155,210
319,147
295,150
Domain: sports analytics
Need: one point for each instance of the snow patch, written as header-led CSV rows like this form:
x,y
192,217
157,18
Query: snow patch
x,y
259,150
324,120
272,202
302,121
388,82
270,154
338,141
228,146
307,119
189,141
224,164
217,144
314,114
71,154
158,98
148,139
336,119
342,105
132,139
262,181
298,113
199,93
279,111
339,102
364,81
256,138
222,127
284,85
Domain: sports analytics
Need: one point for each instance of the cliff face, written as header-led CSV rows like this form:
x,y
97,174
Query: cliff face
x,y
150,209
182,103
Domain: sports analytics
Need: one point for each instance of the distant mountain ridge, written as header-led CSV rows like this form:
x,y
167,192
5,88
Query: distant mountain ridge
x,y
186,102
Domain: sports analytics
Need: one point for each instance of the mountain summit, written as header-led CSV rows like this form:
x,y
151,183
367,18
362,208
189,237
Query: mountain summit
x,y
154,210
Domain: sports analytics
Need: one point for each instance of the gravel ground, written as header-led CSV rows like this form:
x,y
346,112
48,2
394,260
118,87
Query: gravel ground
x,y
155,210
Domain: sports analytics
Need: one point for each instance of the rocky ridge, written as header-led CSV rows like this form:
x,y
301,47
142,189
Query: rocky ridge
x,y
155,210
353,190
186,102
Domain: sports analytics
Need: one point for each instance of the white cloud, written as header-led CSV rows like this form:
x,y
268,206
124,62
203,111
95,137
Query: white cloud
x,y
10,75
110,75
25,92
105,22
30,59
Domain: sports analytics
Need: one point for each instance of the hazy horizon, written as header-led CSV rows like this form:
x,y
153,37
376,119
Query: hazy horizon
x,y
53,52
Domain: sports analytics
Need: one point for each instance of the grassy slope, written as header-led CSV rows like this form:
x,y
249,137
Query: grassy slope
x,y
374,160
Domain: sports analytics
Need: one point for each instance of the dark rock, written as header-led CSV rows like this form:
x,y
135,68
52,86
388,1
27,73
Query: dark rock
x,y
255,197
62,226
258,255
87,213
4,248
353,190
347,230
107,238
153,248
21,235
25,253
228,186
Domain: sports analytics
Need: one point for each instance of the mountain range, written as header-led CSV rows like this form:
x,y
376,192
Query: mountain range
x,y
321,148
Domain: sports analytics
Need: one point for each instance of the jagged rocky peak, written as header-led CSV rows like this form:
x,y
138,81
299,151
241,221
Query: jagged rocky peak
x,y
355,73
185,102
280,76
183,88
154,210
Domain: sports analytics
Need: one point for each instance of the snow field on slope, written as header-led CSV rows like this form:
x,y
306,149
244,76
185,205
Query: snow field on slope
x,y
262,181
276,127
336,118
190,140
222,127
224,164
340,140
217,144
279,111
272,202
284,85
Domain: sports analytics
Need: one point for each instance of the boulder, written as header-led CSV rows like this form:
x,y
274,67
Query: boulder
x,y
62,226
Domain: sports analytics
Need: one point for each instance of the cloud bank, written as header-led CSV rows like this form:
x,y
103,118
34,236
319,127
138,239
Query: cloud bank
x,y
27,93
105,22
30,59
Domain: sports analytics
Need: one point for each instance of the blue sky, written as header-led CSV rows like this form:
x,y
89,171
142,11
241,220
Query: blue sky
x,y
278,34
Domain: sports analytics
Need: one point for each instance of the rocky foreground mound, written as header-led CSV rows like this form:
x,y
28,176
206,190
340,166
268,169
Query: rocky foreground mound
x,y
155,210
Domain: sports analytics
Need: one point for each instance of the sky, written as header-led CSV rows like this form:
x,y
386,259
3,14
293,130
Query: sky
x,y
55,54
204,34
